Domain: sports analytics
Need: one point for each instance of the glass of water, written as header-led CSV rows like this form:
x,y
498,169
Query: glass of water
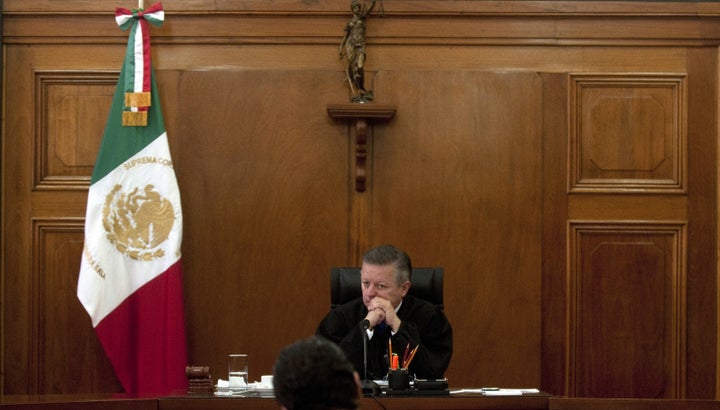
x,y
238,371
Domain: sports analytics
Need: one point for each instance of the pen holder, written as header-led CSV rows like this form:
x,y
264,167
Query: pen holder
x,y
398,379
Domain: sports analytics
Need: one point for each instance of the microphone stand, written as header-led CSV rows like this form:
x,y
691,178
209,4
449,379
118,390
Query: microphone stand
x,y
369,387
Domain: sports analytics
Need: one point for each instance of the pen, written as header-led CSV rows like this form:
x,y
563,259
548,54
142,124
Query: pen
x,y
412,355
405,355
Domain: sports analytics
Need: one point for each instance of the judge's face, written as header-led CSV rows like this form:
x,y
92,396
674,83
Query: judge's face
x,y
379,281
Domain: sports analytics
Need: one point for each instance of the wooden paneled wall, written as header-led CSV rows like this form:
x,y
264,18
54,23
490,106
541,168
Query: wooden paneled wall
x,y
558,159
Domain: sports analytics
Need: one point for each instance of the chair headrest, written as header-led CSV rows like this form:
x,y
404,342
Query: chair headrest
x,y
427,284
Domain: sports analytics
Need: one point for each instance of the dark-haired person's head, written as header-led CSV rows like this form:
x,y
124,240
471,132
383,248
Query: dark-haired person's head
x,y
314,374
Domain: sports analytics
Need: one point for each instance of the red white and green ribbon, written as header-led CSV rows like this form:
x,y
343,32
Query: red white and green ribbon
x,y
137,60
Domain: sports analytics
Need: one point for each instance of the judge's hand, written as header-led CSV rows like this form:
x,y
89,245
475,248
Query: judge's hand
x,y
388,312
375,317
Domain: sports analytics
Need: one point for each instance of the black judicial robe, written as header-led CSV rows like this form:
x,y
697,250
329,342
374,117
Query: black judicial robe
x,y
422,323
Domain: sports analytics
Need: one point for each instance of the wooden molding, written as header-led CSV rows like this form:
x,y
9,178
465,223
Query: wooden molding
x,y
361,113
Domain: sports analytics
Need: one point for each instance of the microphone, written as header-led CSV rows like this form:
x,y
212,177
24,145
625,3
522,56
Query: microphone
x,y
369,387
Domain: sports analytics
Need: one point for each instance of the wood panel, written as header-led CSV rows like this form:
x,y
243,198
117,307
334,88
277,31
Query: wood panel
x,y
680,374
627,310
456,182
71,107
702,210
66,356
265,184
554,360
628,133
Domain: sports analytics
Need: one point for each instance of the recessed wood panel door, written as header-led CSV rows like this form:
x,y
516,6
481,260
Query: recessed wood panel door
x,y
632,312
627,309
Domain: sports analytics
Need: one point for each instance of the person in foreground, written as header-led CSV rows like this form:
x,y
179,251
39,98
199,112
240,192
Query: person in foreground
x,y
314,374
390,318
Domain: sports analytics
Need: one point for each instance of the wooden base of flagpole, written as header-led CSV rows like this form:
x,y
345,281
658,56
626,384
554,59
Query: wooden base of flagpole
x,y
361,114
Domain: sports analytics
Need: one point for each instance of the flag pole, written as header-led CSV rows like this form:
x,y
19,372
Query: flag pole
x,y
140,4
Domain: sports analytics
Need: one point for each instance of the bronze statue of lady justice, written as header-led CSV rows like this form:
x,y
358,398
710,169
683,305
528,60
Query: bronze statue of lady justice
x,y
352,50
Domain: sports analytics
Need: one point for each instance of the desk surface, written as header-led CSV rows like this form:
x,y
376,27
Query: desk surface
x,y
77,402
528,402
574,403
459,402
117,402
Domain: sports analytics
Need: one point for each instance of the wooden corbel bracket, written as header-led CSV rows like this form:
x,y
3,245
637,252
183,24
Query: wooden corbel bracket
x,y
361,114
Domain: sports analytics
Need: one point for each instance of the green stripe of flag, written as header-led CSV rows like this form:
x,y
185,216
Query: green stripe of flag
x,y
120,143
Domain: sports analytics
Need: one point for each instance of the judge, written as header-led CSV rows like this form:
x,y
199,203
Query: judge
x,y
388,317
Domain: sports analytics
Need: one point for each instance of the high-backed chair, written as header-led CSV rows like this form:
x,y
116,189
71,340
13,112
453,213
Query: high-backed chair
x,y
427,284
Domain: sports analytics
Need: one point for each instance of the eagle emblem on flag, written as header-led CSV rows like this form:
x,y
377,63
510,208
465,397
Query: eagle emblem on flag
x,y
138,222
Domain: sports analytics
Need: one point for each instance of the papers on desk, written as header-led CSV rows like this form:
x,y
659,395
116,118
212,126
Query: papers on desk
x,y
256,389
496,391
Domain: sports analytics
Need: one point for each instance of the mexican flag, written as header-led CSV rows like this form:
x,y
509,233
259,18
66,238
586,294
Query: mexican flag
x,y
130,279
